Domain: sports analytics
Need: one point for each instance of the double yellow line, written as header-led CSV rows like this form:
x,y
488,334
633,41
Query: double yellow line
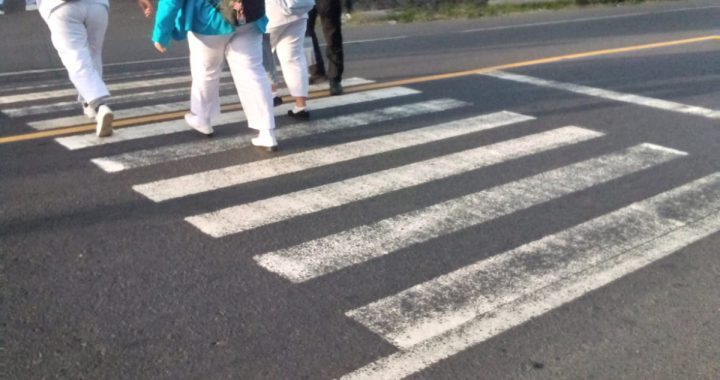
x,y
422,79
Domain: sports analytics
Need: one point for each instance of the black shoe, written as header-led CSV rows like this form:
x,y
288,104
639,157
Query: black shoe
x,y
302,115
336,88
277,101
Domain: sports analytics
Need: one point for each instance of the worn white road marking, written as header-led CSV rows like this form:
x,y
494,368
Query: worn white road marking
x,y
62,69
234,175
611,95
67,121
373,40
130,85
145,97
466,307
584,19
331,253
174,126
252,215
110,79
162,108
197,148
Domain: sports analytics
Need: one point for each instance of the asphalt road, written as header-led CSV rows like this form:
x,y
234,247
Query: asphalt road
x,y
547,219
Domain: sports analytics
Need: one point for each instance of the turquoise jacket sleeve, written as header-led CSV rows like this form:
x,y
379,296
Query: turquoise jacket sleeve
x,y
166,18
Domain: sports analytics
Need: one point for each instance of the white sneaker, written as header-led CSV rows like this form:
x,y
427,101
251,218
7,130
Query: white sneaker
x,y
89,111
198,125
266,140
104,120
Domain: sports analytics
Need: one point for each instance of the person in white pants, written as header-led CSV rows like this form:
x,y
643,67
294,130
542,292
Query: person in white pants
x,y
287,33
243,51
212,39
77,31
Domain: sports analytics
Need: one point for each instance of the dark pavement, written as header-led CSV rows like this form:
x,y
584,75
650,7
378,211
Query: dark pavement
x,y
100,282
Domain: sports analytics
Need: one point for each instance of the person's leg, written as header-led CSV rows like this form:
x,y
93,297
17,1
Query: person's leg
x,y
96,24
287,40
244,55
270,68
330,12
71,39
318,69
74,29
206,59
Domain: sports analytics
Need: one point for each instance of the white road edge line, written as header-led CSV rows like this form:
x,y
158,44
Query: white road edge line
x,y
56,69
610,95
156,60
650,234
583,19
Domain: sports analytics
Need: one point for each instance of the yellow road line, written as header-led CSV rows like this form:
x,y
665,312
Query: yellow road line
x,y
422,79
560,58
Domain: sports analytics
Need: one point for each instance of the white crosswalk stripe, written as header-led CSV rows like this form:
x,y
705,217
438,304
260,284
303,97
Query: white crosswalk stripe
x,y
46,124
234,175
439,318
110,79
144,97
163,128
175,152
252,215
325,255
128,85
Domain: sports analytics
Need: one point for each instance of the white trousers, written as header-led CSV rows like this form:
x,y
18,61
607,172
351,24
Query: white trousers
x,y
77,29
243,51
287,40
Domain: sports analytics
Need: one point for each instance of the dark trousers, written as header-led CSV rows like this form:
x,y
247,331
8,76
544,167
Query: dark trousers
x,y
330,12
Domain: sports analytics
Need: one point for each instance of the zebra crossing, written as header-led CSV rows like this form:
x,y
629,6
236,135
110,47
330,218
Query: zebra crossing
x,y
443,316
507,290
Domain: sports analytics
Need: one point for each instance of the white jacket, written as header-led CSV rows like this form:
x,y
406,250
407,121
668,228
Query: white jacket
x,y
277,17
45,7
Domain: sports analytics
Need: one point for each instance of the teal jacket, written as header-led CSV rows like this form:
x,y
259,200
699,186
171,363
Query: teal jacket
x,y
174,18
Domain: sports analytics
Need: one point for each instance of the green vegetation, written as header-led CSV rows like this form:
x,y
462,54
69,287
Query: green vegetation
x,y
454,9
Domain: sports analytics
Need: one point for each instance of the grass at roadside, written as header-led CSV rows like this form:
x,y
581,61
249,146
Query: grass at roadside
x,y
445,10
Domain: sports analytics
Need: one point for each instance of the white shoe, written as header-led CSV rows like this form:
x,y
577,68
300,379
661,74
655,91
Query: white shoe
x,y
198,125
266,140
89,111
104,120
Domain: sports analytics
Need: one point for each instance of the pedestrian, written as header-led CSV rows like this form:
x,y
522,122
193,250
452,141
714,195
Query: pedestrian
x,y
77,31
330,12
271,69
232,31
287,33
